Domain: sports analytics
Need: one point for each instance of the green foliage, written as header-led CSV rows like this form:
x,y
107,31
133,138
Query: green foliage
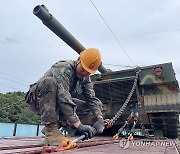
x,y
13,108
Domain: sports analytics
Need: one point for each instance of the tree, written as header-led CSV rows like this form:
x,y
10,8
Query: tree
x,y
14,109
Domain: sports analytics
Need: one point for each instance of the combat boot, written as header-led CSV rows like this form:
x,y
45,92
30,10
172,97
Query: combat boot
x,y
43,130
52,135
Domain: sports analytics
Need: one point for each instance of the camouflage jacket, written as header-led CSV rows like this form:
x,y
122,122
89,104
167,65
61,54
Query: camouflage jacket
x,y
68,82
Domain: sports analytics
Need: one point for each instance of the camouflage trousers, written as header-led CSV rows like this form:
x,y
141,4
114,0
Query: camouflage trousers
x,y
42,99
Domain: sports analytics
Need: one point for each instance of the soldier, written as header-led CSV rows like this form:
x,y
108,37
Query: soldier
x,y
51,96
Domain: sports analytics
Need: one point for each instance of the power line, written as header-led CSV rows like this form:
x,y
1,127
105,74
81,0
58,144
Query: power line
x,y
13,81
112,32
10,87
15,77
117,65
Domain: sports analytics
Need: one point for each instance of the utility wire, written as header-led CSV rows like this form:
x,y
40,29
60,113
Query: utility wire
x,y
112,32
14,77
10,87
117,65
13,81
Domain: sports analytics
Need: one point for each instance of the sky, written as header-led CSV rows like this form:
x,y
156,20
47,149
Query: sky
x,y
148,31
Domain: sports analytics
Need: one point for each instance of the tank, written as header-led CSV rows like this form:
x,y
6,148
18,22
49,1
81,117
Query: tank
x,y
157,91
155,100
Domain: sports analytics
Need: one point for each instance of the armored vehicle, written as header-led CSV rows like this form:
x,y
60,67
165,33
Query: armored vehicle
x,y
148,95
157,91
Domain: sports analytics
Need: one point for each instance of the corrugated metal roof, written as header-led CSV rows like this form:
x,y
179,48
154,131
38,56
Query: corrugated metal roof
x,y
96,145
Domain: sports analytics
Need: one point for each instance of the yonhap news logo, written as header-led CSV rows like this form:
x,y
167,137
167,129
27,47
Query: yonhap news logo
x,y
124,143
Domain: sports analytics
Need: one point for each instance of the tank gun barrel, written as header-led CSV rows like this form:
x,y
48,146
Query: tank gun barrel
x,y
54,25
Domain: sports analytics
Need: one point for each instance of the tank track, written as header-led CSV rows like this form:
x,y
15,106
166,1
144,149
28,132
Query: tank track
x,y
168,122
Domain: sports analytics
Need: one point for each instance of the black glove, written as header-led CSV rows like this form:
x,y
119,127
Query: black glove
x,y
99,126
86,129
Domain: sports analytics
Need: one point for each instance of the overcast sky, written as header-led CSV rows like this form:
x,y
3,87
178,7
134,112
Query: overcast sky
x,y
148,30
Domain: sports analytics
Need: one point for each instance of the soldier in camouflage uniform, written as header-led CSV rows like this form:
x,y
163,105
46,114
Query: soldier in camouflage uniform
x,y
51,96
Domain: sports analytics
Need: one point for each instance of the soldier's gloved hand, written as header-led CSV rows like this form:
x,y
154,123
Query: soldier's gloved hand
x,y
99,125
86,129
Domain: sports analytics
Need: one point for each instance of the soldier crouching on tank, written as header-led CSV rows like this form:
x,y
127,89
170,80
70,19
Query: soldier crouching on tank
x,y
50,96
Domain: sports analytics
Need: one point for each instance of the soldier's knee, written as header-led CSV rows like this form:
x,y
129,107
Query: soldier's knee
x,y
49,82
47,86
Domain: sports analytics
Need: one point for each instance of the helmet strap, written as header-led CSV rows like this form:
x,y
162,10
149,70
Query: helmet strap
x,y
77,63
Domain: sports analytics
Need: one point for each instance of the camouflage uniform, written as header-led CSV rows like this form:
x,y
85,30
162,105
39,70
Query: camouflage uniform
x,y
51,95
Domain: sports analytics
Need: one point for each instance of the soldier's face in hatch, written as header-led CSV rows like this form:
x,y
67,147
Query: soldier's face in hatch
x,y
80,71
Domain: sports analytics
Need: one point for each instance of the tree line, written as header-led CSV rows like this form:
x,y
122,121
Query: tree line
x,y
13,108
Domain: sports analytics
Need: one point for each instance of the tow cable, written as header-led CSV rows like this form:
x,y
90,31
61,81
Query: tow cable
x,y
135,114
64,146
130,133
121,110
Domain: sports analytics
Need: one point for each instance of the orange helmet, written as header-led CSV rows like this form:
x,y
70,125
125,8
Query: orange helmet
x,y
90,59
